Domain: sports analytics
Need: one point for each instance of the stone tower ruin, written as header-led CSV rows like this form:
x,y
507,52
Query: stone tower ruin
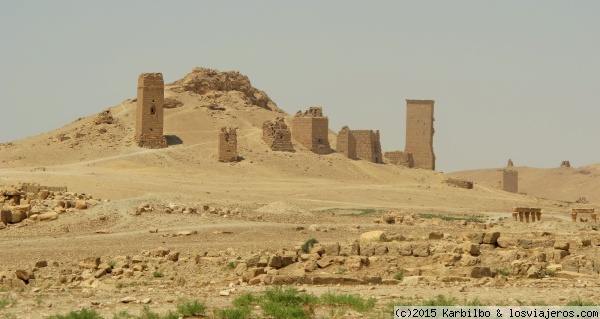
x,y
228,145
368,145
277,135
346,143
510,180
150,111
311,129
419,133
400,158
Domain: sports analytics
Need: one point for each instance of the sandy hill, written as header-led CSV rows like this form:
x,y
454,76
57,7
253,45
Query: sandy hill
x,y
97,155
565,183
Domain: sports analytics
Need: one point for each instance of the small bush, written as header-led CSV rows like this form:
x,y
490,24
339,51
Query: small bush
x,y
191,308
504,271
440,300
580,303
6,301
148,314
112,264
308,245
245,300
399,275
353,301
123,315
236,313
231,265
83,314
548,273
158,274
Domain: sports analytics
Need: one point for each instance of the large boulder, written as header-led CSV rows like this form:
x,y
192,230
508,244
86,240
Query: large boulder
x,y
376,235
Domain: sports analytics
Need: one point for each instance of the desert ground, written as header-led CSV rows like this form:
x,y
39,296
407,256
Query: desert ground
x,y
150,227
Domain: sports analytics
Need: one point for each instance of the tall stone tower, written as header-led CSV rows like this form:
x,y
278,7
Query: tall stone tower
x,y
150,111
227,151
419,132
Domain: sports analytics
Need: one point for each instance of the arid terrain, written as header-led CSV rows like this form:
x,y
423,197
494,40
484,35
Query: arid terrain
x,y
143,227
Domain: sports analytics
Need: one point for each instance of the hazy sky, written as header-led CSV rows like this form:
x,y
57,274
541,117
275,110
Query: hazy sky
x,y
511,79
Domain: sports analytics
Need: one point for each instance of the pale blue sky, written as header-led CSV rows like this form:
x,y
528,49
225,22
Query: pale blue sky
x,y
511,79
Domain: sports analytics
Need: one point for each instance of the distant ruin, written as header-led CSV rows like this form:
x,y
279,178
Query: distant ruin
x,y
228,145
510,163
419,133
527,212
311,129
277,135
566,164
400,158
346,143
591,211
150,111
368,145
509,181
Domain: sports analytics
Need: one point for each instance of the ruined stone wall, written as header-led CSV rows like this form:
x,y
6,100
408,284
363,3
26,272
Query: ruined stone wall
x,y
36,188
228,145
400,158
510,180
150,111
311,129
346,143
419,133
277,135
368,145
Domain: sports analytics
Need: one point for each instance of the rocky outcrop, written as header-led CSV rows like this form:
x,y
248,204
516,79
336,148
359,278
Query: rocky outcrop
x,y
206,81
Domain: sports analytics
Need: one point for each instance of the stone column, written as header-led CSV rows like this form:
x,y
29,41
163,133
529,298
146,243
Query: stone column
x,y
594,216
574,217
515,216
521,217
527,217
533,217
539,216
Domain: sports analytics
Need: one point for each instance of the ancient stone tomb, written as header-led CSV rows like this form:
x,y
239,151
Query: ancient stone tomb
x,y
277,135
311,129
228,145
419,133
363,144
149,113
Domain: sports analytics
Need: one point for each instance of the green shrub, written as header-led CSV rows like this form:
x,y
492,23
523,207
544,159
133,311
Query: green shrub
x,y
235,313
245,300
191,308
83,314
158,274
580,303
504,271
440,300
399,275
308,245
123,315
355,302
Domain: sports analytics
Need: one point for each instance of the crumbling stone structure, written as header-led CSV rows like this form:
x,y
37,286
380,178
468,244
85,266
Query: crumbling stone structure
x,y
277,135
228,145
459,183
419,133
591,211
565,164
368,145
527,212
400,158
510,163
509,181
346,143
311,129
150,111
